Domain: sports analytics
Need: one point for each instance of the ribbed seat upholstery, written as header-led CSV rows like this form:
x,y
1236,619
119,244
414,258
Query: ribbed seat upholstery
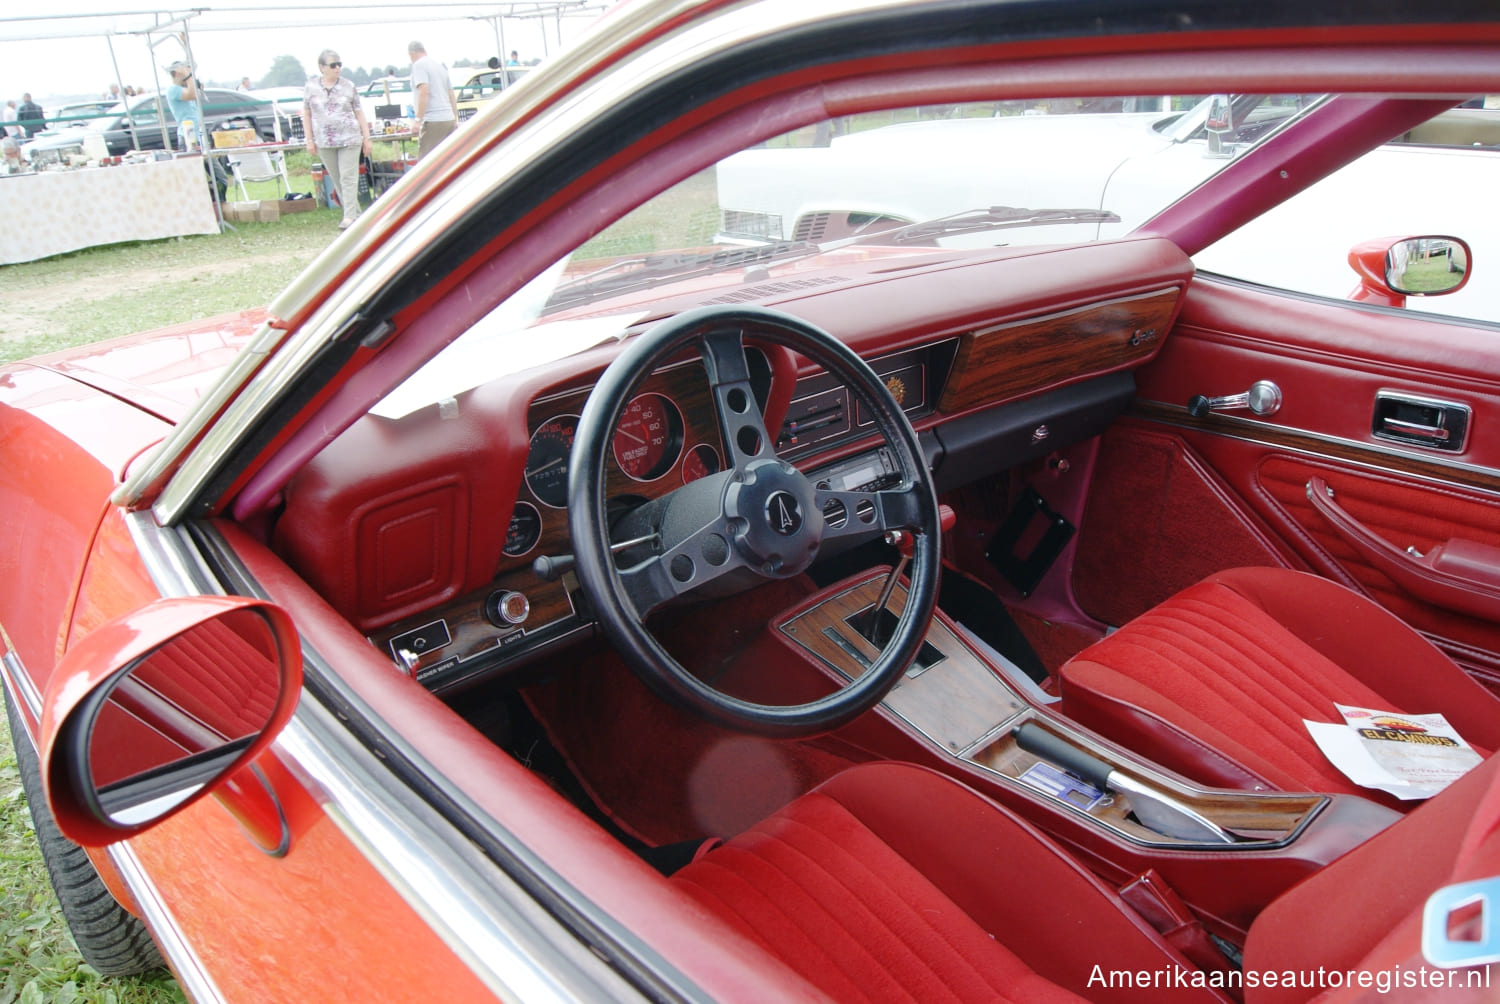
x,y
890,882
1216,681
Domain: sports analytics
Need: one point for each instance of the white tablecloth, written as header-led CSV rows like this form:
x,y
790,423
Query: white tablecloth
x,y
52,212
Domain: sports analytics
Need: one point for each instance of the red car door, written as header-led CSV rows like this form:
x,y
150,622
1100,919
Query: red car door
x,y
1380,468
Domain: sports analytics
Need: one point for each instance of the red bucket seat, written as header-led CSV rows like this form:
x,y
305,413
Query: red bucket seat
x,y
891,882
1215,682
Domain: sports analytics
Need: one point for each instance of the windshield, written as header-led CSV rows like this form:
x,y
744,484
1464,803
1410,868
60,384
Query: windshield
x,y
905,182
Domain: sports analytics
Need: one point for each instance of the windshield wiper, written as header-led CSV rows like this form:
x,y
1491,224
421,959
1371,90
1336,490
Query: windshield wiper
x,y
977,220
653,270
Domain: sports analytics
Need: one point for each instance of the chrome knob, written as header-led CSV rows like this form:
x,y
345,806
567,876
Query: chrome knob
x,y
506,607
1263,398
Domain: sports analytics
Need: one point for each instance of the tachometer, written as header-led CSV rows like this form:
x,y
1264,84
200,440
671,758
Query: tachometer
x,y
547,461
524,531
648,439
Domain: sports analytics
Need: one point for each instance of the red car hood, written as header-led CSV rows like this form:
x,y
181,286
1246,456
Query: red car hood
x,y
162,372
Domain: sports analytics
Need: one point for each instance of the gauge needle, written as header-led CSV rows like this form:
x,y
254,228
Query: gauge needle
x,y
547,466
630,435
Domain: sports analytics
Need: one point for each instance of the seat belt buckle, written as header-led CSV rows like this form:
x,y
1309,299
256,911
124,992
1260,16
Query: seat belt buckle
x,y
1441,947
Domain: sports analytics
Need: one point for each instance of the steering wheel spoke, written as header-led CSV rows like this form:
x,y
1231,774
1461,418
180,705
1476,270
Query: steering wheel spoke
x,y
703,557
741,423
759,519
857,513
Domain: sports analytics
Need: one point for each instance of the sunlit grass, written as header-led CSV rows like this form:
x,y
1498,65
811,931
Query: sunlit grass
x,y
38,961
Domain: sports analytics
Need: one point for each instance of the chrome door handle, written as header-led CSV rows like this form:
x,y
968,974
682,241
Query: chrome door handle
x,y
1263,398
1420,421
1433,432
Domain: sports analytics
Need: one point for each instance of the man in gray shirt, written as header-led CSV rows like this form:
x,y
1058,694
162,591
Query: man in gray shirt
x,y
435,101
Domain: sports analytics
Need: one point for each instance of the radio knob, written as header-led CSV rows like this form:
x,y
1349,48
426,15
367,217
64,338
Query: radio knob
x,y
506,607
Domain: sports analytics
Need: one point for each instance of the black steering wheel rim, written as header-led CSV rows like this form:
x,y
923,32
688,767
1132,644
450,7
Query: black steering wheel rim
x,y
615,602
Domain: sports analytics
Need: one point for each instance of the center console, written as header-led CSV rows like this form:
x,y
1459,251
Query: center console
x,y
963,704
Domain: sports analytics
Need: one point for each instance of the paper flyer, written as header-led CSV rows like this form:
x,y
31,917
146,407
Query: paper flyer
x,y
1410,756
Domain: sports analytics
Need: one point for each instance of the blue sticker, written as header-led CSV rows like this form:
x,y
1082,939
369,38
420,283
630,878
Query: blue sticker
x,y
1062,786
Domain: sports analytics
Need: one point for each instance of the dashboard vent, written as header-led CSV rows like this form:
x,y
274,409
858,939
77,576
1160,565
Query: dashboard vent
x,y
765,289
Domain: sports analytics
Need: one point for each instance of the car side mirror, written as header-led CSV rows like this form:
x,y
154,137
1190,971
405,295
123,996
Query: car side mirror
x,y
1392,268
162,706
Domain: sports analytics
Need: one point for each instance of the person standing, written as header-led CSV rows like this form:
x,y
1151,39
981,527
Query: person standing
x,y
435,100
334,123
182,99
244,87
30,115
8,116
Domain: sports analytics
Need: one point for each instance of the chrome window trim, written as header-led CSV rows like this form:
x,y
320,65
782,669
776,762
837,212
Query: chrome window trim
x,y
186,965
493,936
22,684
159,461
506,939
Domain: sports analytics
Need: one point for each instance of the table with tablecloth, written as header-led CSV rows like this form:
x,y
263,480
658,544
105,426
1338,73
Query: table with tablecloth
x,y
51,212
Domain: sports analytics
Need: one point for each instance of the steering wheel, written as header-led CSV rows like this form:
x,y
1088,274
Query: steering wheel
x,y
759,518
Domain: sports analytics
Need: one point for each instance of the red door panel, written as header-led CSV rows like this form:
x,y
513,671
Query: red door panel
x,y
1175,497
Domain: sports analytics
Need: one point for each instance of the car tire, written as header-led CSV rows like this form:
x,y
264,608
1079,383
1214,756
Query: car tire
x,y
110,938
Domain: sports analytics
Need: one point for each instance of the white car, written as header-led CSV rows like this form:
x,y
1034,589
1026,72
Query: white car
x,y
1128,164
387,93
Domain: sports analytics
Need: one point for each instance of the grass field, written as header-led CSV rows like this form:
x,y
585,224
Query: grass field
x,y
38,962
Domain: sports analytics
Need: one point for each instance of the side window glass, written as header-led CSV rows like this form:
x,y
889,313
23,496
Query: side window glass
x,y
1438,178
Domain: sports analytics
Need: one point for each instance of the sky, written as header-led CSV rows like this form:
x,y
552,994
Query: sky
x,y
241,38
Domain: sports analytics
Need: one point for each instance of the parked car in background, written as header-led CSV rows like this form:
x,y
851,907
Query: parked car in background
x,y
387,98
143,128
1132,165
82,114
483,85
288,102
545,598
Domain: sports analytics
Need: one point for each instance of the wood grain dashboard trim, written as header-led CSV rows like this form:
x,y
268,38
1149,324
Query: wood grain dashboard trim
x,y
1040,353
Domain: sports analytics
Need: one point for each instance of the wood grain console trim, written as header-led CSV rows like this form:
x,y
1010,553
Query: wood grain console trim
x,y
1039,353
955,702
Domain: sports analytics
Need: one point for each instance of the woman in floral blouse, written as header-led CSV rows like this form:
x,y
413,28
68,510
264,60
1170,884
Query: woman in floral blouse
x,y
336,130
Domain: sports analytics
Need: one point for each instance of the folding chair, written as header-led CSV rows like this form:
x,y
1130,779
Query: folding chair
x,y
259,165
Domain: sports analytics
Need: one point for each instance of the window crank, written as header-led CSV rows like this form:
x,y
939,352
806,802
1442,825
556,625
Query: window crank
x,y
1263,398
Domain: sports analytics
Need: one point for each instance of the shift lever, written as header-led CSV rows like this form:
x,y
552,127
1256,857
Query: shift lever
x,y
905,544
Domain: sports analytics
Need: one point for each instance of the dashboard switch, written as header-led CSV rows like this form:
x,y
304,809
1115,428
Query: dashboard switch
x,y
506,607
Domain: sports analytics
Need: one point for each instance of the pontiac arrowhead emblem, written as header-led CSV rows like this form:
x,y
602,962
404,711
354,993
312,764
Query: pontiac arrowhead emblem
x,y
784,515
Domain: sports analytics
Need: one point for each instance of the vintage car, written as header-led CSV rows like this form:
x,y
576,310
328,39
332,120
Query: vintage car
x,y
387,98
1134,163
485,84
149,119
539,600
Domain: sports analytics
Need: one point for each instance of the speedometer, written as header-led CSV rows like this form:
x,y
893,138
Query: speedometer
x,y
648,439
547,460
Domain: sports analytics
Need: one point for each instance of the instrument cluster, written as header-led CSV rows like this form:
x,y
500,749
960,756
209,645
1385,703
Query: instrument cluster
x,y
667,436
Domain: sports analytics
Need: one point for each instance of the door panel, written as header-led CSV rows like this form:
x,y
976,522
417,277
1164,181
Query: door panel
x,y
1175,497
